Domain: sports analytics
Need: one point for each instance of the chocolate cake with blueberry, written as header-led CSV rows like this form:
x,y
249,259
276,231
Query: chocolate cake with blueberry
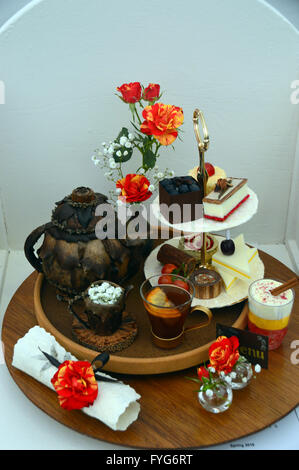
x,y
184,192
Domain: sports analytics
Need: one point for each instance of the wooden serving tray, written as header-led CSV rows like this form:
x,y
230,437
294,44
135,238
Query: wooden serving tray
x,y
142,357
170,416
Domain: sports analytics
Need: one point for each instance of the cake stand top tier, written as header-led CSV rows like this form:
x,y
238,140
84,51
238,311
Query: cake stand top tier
x,y
243,214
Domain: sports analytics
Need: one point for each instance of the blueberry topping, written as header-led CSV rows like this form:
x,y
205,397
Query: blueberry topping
x,y
227,247
183,188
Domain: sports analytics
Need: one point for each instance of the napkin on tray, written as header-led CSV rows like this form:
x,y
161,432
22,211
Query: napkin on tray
x,y
116,404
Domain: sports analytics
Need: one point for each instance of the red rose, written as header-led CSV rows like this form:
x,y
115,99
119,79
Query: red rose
x,y
151,92
202,372
75,384
224,353
131,92
134,188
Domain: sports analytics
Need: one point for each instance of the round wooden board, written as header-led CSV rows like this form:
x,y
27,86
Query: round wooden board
x,y
142,356
170,415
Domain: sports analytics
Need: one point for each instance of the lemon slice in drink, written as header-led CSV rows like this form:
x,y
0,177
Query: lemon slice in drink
x,y
158,297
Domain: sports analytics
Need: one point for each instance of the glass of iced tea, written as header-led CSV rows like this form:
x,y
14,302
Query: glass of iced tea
x,y
168,306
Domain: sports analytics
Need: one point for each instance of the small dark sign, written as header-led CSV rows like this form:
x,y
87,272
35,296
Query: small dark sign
x,y
252,346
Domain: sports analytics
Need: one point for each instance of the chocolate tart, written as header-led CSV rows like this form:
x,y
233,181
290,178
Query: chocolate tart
x,y
207,282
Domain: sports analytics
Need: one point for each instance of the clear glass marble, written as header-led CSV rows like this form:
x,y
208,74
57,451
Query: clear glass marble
x,y
218,398
241,374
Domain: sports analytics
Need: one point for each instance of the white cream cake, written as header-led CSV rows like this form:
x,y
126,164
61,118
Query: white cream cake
x,y
219,204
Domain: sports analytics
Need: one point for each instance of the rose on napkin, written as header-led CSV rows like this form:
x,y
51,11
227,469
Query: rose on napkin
x,y
75,384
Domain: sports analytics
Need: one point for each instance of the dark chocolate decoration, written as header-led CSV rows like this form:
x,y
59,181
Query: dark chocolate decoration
x,y
227,247
222,185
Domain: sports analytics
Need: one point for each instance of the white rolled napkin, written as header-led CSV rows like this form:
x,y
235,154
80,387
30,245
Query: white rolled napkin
x,y
116,404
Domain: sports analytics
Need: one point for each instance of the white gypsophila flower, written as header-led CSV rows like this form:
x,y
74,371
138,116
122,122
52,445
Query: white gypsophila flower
x,y
107,174
212,369
244,379
151,188
141,171
123,140
233,375
118,191
228,379
94,158
222,373
130,136
171,173
110,150
160,175
209,392
118,153
105,151
103,144
257,368
125,153
128,145
112,165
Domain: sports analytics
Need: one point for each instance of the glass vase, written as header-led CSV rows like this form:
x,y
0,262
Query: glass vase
x,y
241,374
218,398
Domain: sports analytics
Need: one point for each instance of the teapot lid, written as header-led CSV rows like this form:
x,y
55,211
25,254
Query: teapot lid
x,y
75,213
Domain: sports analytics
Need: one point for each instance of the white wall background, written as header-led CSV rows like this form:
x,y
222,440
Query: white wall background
x,y
61,63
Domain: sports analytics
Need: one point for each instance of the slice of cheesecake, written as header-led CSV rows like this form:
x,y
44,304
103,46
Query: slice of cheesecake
x,y
229,278
227,196
237,265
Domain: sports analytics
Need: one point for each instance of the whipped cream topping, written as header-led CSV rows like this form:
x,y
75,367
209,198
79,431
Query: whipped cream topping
x,y
104,293
260,291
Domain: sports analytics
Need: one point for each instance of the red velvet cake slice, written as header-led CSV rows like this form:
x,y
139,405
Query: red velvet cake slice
x,y
227,196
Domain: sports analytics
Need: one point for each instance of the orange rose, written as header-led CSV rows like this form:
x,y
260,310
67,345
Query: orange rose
x,y
162,121
134,188
223,353
131,92
75,384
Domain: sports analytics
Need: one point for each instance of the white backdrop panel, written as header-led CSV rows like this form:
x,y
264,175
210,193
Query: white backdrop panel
x,y
61,62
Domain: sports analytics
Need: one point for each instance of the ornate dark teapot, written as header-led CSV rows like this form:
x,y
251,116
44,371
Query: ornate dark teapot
x,y
71,256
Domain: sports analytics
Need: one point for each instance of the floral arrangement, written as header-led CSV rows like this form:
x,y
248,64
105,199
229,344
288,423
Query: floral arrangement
x,y
227,370
158,127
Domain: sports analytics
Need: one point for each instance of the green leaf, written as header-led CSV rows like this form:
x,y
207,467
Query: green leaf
x,y
193,379
149,159
124,132
123,158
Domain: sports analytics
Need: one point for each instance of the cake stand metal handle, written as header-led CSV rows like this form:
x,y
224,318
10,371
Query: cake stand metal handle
x,y
203,146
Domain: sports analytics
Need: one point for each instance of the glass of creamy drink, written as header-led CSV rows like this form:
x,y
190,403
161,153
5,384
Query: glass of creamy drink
x,y
268,314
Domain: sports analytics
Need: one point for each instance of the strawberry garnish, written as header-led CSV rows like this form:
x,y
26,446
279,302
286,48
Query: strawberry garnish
x,y
210,169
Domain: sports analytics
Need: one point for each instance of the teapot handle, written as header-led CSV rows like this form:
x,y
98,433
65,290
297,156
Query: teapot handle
x,y
29,250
